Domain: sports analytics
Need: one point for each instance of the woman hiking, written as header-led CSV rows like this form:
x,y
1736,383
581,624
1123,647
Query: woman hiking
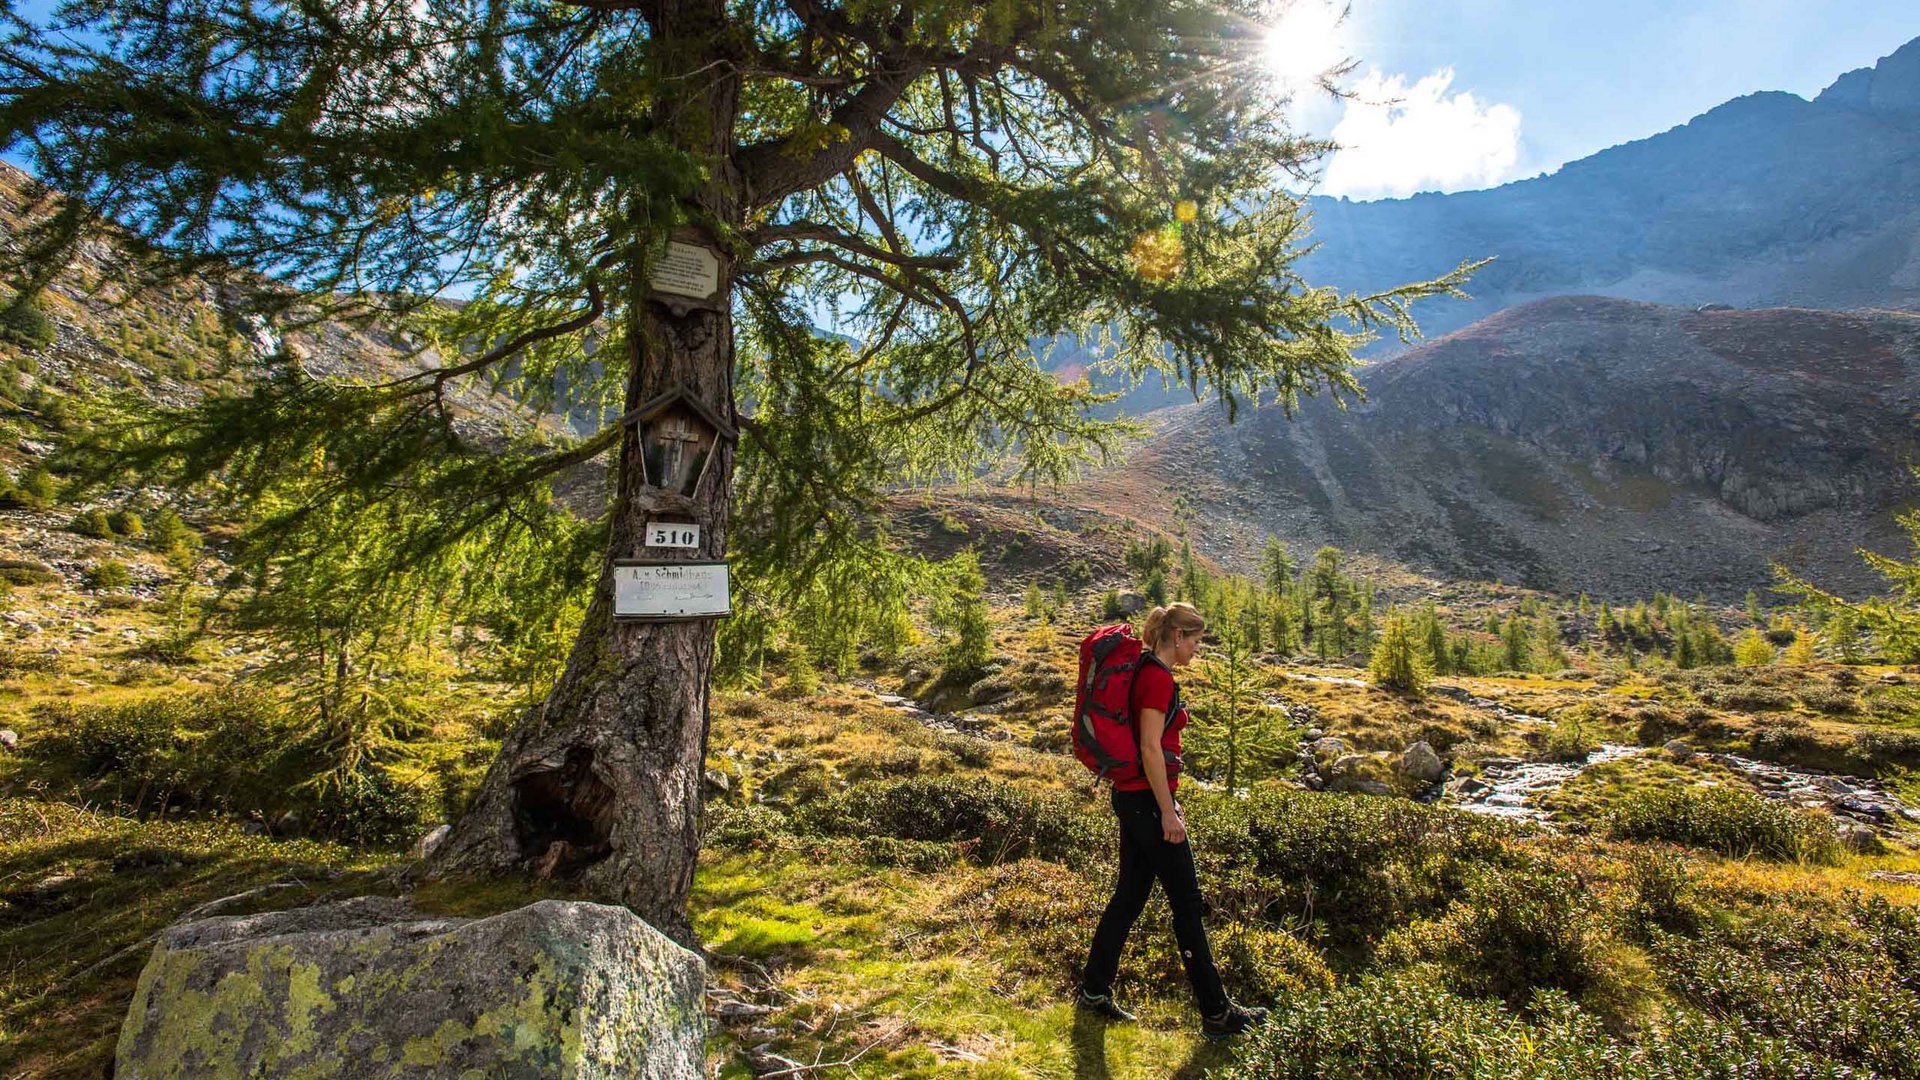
x,y
1153,837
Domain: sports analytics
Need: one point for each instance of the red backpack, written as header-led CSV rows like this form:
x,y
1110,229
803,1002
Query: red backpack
x,y
1106,737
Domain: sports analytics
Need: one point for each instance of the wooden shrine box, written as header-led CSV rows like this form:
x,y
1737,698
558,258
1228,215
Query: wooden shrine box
x,y
677,437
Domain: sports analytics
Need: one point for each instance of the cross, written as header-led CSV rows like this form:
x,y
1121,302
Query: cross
x,y
676,435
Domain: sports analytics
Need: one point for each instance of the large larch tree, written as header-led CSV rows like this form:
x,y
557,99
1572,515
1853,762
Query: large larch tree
x,y
946,186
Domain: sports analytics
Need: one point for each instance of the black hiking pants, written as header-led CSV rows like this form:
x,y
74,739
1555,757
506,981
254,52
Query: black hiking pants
x,y
1146,857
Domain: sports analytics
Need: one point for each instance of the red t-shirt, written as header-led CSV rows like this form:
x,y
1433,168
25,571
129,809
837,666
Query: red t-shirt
x,y
1153,688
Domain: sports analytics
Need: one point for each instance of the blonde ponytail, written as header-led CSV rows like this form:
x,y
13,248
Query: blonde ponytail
x,y
1176,616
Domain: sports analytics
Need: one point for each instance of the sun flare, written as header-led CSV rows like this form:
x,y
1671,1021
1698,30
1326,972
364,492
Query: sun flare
x,y
1306,40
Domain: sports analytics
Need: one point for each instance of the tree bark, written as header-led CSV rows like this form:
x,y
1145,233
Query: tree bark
x,y
601,784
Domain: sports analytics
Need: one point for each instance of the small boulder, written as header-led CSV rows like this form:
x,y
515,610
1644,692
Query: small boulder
x,y
1859,838
1328,746
1314,734
1832,785
1678,750
1467,787
718,783
373,988
1132,603
9,740
1418,762
426,845
1346,765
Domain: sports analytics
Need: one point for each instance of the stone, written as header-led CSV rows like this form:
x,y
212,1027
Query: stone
x,y
1315,734
1859,838
1858,807
1678,750
9,739
718,781
1467,787
1329,746
425,846
372,988
1345,765
1314,782
1832,785
1132,603
1418,762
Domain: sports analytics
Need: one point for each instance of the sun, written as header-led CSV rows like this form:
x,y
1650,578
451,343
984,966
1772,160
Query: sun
x,y
1305,41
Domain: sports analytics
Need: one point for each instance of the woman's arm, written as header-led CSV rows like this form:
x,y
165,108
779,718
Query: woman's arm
x,y
1153,762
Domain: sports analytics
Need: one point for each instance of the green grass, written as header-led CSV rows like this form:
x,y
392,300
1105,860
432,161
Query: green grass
x,y
82,895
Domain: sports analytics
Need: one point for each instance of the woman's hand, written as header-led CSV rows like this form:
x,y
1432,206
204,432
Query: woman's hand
x,y
1173,828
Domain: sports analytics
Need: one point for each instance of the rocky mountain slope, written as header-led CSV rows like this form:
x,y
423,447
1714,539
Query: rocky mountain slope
x,y
1584,443
1767,200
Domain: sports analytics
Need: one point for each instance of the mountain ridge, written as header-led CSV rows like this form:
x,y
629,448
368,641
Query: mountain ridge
x,y
1765,200
1586,443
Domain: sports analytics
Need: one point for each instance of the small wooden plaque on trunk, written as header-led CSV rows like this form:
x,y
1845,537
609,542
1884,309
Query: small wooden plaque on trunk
x,y
687,275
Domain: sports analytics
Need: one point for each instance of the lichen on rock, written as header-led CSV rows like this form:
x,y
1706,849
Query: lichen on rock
x,y
372,988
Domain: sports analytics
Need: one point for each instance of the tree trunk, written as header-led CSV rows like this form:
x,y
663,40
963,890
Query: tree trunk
x,y
601,784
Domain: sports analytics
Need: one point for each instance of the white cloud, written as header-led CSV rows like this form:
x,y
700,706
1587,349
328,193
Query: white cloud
x,y
1397,139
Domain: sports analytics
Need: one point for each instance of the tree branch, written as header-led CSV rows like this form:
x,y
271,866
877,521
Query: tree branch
x,y
596,306
854,245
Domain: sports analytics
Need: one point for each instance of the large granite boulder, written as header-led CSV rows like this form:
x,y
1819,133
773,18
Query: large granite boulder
x,y
372,988
1420,764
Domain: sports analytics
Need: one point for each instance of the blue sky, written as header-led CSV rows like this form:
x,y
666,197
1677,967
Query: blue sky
x,y
1461,94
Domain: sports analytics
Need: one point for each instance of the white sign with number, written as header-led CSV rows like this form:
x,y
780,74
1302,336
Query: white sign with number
x,y
672,534
671,591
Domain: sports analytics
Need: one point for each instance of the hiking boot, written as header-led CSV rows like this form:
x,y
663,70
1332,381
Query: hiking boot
x,y
1234,1020
1102,1005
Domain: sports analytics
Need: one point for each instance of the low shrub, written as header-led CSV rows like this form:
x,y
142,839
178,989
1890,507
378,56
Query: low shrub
x,y
106,574
1882,748
1723,819
24,324
993,820
1573,736
1746,697
1517,929
1783,738
34,490
1262,964
1663,892
92,523
27,572
1349,868
1830,699
743,826
233,751
1654,725
1824,984
16,660
1401,1028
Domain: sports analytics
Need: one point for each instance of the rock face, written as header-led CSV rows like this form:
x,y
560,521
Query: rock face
x,y
1593,444
371,988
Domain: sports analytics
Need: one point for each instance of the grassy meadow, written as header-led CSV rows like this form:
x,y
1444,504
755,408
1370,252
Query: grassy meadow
x,y
906,893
